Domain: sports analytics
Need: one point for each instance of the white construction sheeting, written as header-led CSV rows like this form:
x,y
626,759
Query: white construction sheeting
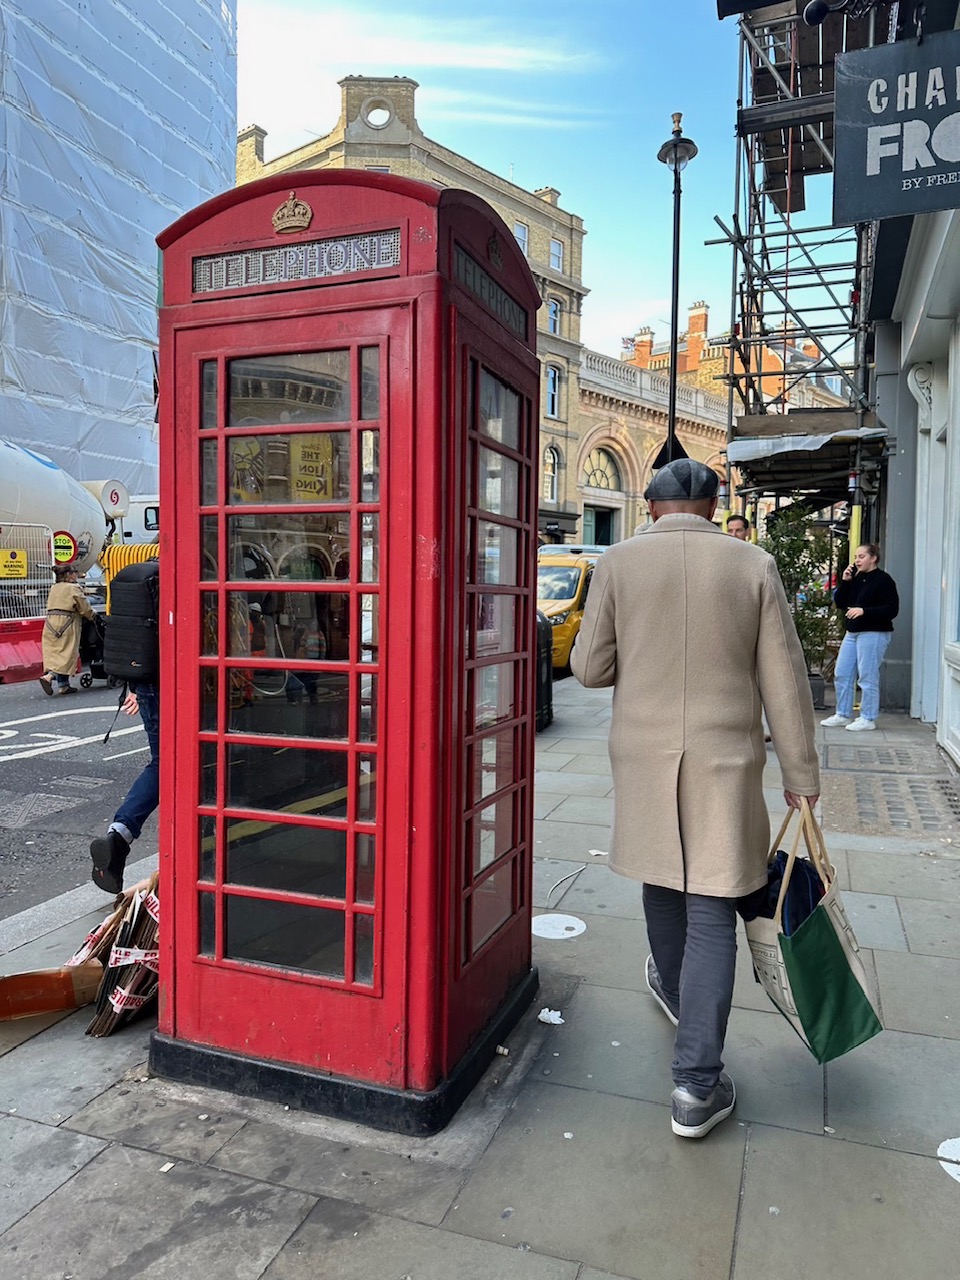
x,y
113,122
750,448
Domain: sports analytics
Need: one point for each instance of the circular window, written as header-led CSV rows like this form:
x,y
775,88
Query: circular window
x,y
377,112
600,470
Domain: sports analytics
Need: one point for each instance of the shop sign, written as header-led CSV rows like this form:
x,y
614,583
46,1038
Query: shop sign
x,y
897,135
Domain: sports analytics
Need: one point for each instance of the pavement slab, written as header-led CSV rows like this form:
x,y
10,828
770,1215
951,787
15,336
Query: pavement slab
x,y
919,993
34,1161
55,948
815,1207
592,809
399,1185
609,953
600,891
547,875
571,840
123,1218
22,1029
55,1074
605,1193
563,782
932,928
355,1244
907,875
582,764
876,921
896,1091
133,1114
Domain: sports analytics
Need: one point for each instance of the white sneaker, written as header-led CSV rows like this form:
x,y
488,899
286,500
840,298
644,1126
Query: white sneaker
x,y
834,722
860,724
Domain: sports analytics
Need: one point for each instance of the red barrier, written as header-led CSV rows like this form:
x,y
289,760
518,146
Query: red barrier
x,y
20,655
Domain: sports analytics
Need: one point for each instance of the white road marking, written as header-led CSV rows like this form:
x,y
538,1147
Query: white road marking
x,y
65,746
134,752
56,737
106,708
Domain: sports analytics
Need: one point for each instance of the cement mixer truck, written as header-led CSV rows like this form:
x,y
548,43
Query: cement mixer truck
x,y
46,516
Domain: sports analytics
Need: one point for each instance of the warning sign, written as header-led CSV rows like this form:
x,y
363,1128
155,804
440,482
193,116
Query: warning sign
x,y
64,547
13,564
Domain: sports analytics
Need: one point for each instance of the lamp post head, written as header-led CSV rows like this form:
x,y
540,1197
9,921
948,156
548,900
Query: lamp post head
x,y
677,152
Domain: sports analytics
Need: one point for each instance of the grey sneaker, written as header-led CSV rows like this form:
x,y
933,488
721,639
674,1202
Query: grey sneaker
x,y
656,990
694,1117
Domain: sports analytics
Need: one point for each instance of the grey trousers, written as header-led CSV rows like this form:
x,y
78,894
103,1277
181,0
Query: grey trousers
x,y
694,944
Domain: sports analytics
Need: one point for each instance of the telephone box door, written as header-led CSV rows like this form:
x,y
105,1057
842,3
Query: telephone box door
x,y
283,565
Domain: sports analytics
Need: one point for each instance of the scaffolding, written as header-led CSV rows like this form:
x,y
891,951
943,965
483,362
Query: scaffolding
x,y
799,337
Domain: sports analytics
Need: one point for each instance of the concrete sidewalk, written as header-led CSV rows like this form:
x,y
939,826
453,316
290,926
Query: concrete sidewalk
x,y
562,1165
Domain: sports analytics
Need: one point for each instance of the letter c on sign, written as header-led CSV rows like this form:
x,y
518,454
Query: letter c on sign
x,y
874,101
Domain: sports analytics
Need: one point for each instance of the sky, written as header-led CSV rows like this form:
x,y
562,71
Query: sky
x,y
569,95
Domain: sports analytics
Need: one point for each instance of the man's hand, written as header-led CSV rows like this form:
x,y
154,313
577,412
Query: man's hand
x,y
854,613
793,800
130,704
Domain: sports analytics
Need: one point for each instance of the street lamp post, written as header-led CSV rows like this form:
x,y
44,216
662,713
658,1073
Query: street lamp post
x,y
676,153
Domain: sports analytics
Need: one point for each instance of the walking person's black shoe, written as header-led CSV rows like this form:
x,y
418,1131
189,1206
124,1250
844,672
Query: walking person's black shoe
x,y
694,1117
656,990
109,854
46,684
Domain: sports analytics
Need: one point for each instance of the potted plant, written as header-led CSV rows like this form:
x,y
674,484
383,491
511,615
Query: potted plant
x,y
802,553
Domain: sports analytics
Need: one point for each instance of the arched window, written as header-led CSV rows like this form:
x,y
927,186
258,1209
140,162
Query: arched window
x,y
552,405
554,308
551,465
600,471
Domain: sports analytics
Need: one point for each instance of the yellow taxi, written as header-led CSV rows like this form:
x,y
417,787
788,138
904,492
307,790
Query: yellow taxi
x,y
563,581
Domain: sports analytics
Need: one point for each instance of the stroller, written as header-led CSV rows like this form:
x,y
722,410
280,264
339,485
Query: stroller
x,y
91,653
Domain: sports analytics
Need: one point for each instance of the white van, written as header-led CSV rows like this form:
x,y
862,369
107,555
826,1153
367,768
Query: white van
x,y
142,521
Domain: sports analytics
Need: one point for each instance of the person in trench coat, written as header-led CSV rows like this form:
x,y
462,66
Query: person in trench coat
x,y
693,631
60,638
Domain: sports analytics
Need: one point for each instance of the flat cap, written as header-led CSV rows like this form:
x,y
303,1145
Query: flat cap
x,y
682,481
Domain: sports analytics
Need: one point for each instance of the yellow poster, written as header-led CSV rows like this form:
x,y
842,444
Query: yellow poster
x,y
311,468
13,564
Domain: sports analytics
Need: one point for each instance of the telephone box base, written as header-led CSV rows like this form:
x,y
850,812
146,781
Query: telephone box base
x,y
380,1107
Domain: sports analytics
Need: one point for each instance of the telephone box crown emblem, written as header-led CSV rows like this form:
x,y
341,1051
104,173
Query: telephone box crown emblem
x,y
293,215
494,252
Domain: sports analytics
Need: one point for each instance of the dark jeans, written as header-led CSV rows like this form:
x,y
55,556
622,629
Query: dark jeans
x,y
144,796
694,944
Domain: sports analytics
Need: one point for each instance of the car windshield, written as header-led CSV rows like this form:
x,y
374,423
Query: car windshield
x,y
556,582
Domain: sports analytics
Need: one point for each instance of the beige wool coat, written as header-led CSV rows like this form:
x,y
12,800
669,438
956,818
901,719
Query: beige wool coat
x,y
692,629
60,638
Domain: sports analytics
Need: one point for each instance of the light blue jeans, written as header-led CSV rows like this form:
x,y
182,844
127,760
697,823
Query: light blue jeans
x,y
859,659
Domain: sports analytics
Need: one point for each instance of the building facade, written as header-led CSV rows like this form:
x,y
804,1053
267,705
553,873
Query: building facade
x,y
378,131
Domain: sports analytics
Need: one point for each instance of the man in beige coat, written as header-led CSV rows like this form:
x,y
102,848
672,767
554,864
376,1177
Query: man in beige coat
x,y
693,631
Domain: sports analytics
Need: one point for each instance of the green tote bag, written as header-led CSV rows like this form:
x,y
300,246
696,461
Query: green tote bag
x,y
815,976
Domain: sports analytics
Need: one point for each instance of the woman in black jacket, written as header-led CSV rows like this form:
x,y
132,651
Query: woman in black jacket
x,y
869,599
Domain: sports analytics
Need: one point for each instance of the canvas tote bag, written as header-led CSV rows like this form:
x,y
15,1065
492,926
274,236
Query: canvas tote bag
x,y
815,975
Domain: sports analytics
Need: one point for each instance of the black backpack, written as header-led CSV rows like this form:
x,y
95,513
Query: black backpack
x,y
131,645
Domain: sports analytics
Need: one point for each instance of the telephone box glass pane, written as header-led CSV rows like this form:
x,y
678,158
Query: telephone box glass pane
x,y
208,472
209,549
209,612
286,857
369,628
367,709
497,625
285,934
208,395
494,760
366,788
496,554
363,929
311,626
493,694
370,466
499,484
365,867
292,704
309,467
207,868
491,904
297,548
492,832
208,773
287,779
208,924
499,411
208,699
369,383
369,547
312,386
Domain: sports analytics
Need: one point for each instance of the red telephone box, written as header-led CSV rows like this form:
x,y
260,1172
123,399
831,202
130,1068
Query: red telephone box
x,y
349,457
